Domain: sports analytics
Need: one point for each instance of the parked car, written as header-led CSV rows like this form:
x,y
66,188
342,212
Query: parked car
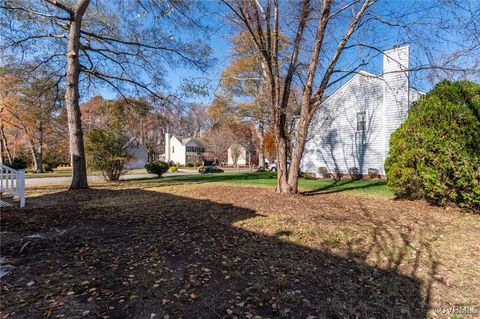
x,y
210,169
272,167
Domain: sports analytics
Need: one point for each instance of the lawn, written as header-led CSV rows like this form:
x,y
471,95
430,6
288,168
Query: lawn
x,y
57,172
308,187
226,246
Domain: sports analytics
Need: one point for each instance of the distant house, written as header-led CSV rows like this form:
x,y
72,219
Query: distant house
x,y
183,150
138,154
238,152
352,128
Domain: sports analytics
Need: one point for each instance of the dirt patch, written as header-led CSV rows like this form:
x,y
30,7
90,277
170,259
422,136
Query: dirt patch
x,y
207,251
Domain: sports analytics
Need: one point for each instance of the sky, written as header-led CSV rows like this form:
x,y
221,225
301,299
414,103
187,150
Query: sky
x,y
382,36
379,35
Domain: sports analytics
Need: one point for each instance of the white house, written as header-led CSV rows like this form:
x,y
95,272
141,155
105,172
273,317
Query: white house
x,y
238,151
352,127
138,154
183,150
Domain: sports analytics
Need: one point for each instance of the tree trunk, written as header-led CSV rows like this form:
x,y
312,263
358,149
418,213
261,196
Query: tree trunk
x,y
282,174
4,146
40,148
261,146
77,151
282,149
39,162
36,157
294,172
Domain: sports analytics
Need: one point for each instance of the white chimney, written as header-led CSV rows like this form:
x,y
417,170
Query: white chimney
x,y
167,147
396,90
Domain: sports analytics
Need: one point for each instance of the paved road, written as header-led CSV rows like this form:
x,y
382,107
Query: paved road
x,y
54,180
50,180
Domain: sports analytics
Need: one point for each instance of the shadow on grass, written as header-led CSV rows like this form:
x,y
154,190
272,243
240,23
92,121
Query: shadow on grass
x,y
206,178
345,185
133,253
313,187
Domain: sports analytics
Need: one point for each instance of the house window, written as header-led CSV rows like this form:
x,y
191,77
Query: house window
x,y
173,149
361,121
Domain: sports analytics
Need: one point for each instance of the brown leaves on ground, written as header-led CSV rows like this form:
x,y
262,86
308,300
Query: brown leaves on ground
x,y
207,251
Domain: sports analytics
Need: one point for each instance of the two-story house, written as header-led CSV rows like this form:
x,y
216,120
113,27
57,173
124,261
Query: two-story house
x,y
183,150
352,127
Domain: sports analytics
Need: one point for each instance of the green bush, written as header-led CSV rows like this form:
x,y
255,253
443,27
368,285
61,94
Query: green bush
x,y
435,154
47,168
17,163
107,153
157,167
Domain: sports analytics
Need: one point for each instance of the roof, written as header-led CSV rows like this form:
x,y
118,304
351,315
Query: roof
x,y
184,139
346,84
365,74
134,139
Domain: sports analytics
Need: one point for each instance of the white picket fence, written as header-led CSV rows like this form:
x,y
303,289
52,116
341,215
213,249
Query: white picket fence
x,y
12,182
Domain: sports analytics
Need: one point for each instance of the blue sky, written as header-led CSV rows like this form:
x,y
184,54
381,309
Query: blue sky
x,y
381,36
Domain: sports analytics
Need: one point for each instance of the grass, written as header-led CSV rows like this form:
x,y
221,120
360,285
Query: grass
x,y
57,172
310,187
265,179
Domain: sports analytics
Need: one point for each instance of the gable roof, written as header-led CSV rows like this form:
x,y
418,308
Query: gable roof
x,y
134,139
184,139
349,82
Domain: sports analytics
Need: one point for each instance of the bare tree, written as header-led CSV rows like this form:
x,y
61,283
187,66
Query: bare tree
x,y
195,121
262,22
322,32
218,141
121,44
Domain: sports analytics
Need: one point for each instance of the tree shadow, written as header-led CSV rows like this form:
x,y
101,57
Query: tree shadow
x,y
206,178
342,186
133,253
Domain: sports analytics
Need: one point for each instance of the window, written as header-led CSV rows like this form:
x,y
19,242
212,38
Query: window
x,y
361,121
195,149
173,149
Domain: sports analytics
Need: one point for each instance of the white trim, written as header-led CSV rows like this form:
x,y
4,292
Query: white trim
x,y
13,182
384,137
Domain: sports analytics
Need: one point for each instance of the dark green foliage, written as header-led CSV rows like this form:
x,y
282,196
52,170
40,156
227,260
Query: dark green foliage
x,y
17,163
47,168
435,154
157,167
107,152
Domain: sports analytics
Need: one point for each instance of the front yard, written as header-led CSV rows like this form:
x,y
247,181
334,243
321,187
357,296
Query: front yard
x,y
227,245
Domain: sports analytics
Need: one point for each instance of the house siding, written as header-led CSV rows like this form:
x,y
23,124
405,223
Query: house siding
x,y
334,141
138,154
242,158
177,151
396,91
